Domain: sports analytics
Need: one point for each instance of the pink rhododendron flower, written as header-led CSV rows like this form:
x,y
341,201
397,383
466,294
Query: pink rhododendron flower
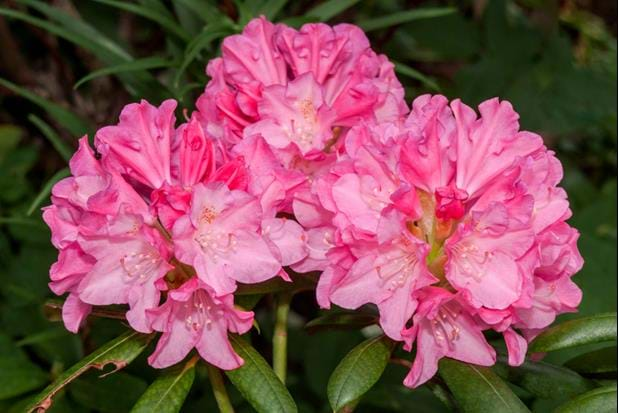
x,y
299,92
302,154
299,82
165,212
193,316
222,240
448,207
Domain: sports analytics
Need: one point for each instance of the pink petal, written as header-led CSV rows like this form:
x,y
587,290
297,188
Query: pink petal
x,y
517,347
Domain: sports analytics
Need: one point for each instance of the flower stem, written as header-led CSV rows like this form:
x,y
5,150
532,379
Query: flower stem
x,y
280,337
218,388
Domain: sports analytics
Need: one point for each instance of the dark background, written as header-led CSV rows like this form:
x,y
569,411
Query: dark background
x,y
554,60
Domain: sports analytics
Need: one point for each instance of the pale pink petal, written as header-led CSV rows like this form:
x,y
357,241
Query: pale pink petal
x,y
74,312
288,237
517,347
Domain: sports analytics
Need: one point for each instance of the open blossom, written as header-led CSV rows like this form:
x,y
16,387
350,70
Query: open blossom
x,y
221,238
290,96
297,83
165,209
195,317
462,231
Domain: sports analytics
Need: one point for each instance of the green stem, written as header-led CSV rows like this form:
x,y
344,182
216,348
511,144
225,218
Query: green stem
x,y
280,337
218,388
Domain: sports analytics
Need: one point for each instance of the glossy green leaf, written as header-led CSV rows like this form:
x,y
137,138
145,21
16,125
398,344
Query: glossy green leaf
x,y
406,70
601,400
46,190
478,389
587,330
108,394
73,123
18,375
544,380
159,15
329,9
359,370
595,362
146,63
257,381
168,393
341,320
395,19
59,145
119,352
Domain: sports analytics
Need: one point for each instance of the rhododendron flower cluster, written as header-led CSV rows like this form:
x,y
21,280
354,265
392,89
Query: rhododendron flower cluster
x,y
302,154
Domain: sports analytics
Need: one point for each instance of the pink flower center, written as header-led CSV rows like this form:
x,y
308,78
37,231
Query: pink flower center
x,y
444,327
200,311
470,260
215,243
140,265
396,269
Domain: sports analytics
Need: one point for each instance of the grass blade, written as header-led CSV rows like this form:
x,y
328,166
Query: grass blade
x,y
153,12
73,123
59,145
406,70
404,17
329,9
44,193
147,63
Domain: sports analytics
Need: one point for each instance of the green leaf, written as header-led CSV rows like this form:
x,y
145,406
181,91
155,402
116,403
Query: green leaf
x,y
341,320
406,70
107,394
545,380
329,9
478,389
404,17
119,352
199,43
257,382
168,393
587,330
271,8
46,190
73,123
157,14
146,63
18,374
59,145
209,13
595,362
601,400
359,370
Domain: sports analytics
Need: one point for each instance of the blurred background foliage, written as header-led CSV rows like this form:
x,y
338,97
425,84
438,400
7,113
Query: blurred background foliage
x,y
67,68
